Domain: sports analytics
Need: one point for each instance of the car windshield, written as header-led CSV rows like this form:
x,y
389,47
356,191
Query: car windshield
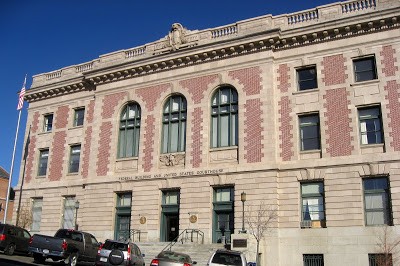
x,y
115,245
227,259
174,256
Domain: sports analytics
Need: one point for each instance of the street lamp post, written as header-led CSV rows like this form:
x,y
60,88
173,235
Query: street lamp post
x,y
243,199
76,214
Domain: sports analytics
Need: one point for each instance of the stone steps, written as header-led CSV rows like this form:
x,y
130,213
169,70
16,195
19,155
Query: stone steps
x,y
198,252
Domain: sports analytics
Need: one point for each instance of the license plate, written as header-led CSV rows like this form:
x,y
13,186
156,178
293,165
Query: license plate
x,y
103,259
45,251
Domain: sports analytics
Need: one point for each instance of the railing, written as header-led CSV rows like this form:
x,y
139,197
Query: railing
x,y
53,75
135,52
187,235
221,32
302,17
135,235
84,67
358,5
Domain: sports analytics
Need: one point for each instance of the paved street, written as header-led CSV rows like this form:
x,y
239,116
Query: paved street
x,y
21,260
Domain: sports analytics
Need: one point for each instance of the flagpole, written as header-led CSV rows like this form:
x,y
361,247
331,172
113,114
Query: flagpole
x,y
13,155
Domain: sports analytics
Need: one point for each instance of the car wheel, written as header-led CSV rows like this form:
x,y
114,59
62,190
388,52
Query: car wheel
x,y
116,257
72,259
9,250
38,258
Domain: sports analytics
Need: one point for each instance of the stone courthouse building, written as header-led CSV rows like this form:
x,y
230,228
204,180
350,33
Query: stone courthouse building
x,y
300,111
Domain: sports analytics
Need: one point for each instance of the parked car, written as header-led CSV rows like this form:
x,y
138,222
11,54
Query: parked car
x,y
114,252
227,257
171,258
13,238
68,245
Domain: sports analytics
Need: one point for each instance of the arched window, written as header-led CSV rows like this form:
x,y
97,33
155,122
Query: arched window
x,y
129,131
174,125
224,118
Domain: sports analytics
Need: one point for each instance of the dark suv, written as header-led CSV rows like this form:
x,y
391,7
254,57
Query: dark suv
x,y
13,238
114,252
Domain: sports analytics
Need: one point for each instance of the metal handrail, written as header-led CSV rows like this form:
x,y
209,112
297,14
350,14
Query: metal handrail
x,y
186,231
133,232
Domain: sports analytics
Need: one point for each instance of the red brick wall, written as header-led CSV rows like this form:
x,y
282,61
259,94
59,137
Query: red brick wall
x,y
88,139
250,78
150,96
388,62
3,197
393,94
283,78
110,102
31,147
337,123
57,156
334,70
196,87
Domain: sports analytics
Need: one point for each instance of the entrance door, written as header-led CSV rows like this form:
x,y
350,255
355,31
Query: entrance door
x,y
172,230
123,224
223,227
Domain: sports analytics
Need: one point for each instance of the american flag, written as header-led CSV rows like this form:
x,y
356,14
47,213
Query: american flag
x,y
21,96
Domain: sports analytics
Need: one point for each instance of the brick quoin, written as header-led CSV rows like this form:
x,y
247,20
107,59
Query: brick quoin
x,y
250,78
58,151
197,137
283,78
253,131
150,95
35,122
389,60
338,123
62,114
148,143
393,95
197,86
86,151
109,104
334,70
90,112
29,159
103,156
285,129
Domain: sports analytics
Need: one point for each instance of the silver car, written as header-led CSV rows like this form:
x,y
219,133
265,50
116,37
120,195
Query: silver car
x,y
227,257
171,258
114,252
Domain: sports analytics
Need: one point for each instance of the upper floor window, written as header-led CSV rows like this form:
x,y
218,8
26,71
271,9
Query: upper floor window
x,y
370,125
312,201
79,116
307,78
124,199
224,118
48,123
43,161
171,197
223,194
309,132
129,131
364,69
377,201
74,159
174,125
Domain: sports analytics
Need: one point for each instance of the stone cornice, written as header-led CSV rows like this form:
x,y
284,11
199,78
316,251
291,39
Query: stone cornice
x,y
168,59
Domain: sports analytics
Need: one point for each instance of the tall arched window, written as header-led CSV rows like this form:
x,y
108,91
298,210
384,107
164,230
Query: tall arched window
x,y
174,125
224,118
129,131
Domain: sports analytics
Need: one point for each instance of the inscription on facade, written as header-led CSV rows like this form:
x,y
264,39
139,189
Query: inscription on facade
x,y
183,173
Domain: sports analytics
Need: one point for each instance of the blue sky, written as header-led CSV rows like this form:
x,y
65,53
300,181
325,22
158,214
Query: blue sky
x,y
38,36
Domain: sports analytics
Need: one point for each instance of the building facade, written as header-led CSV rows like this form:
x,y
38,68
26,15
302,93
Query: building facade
x,y
4,180
299,111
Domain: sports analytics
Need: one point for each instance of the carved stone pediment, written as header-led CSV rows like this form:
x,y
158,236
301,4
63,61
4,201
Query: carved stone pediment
x,y
172,159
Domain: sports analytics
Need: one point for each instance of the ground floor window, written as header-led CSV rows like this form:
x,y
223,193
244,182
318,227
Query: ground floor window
x,y
380,259
313,259
36,214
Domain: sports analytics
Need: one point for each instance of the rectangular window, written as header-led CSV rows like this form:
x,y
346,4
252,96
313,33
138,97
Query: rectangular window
x,y
223,194
307,78
74,159
36,214
377,201
370,120
313,259
124,200
312,201
43,160
79,117
48,123
364,69
69,212
309,132
171,197
380,259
